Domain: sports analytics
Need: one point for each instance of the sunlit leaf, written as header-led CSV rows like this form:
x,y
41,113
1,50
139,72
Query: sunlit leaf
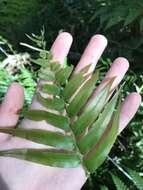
x,y
42,137
45,157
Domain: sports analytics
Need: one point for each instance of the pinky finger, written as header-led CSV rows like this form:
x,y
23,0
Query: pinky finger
x,y
128,109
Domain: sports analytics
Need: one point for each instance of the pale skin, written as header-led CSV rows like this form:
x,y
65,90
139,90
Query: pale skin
x,y
23,175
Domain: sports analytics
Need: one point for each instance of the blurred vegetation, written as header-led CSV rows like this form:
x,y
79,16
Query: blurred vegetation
x,y
122,23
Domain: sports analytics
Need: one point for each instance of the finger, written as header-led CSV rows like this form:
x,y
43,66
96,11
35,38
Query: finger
x,y
61,46
118,70
12,104
92,52
128,109
59,49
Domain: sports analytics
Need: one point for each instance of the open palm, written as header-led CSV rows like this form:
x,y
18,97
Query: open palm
x,y
22,175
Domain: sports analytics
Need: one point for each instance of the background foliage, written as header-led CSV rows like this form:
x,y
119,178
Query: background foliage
x,y
121,21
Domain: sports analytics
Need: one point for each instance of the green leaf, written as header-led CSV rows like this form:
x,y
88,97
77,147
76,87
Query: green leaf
x,y
98,154
141,24
118,183
49,76
65,62
140,2
45,157
114,17
51,89
40,61
63,74
42,137
136,178
91,112
51,118
46,55
55,66
98,128
82,96
55,103
113,21
104,188
133,14
34,39
73,85
97,14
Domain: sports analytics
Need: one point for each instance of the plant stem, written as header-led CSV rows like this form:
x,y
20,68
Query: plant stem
x,y
119,168
33,48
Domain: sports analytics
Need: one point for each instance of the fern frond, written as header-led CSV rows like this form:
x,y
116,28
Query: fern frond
x,y
136,178
118,183
87,133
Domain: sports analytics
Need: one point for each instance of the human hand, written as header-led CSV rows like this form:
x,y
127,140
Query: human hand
x,y
23,175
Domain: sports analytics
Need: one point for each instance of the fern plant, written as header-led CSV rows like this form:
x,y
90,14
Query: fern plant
x,y
13,67
118,183
136,178
86,134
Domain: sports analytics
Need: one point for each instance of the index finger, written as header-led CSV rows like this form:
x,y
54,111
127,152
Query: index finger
x,y
61,47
